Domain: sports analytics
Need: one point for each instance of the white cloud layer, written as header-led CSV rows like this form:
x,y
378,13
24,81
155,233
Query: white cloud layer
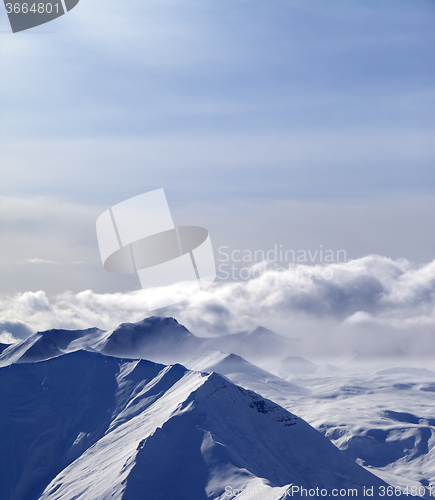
x,y
373,304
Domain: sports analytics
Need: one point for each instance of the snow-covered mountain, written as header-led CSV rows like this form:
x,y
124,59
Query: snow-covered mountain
x,y
295,365
259,344
88,426
155,338
382,416
250,376
48,344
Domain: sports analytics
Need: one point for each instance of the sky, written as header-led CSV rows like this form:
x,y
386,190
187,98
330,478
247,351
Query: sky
x,y
298,123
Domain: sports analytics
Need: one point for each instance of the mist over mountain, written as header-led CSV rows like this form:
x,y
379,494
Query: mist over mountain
x,y
258,344
95,414
295,365
154,338
374,305
3,347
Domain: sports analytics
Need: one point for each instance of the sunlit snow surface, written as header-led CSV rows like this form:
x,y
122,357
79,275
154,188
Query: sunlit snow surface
x,y
380,412
382,417
79,423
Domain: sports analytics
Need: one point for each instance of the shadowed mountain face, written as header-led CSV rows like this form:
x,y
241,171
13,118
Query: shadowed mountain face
x,y
155,338
46,345
3,347
152,338
88,426
369,413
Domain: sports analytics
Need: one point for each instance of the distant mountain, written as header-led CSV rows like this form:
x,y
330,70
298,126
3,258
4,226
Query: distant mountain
x,y
356,357
86,426
225,363
419,372
154,338
295,365
47,344
248,375
259,344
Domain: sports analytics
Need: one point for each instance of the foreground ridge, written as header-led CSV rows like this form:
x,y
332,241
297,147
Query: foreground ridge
x,y
89,426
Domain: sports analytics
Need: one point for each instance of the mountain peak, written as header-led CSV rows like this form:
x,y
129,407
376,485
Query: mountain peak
x,y
262,333
296,365
152,323
120,427
157,338
155,320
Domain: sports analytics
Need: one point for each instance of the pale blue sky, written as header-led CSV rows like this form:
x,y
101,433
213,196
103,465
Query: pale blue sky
x,y
222,103
247,99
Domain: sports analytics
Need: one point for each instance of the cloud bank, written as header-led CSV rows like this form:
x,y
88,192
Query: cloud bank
x,y
374,304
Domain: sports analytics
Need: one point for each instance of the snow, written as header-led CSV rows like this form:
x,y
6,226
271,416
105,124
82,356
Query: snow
x,y
248,375
48,344
84,425
382,418
77,423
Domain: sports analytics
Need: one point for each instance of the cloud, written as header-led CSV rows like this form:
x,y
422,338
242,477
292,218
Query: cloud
x,y
39,261
265,103
51,229
51,244
373,304
13,331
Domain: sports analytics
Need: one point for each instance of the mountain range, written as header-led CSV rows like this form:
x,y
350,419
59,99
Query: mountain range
x,y
156,338
85,415
90,426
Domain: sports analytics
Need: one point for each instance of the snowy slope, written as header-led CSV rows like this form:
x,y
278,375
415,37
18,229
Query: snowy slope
x,y
155,338
382,418
248,375
352,405
88,426
48,344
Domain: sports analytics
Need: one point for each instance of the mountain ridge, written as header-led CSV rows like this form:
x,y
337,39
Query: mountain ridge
x,y
120,425
160,339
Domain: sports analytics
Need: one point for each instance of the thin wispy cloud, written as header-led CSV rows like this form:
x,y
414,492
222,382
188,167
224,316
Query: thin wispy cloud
x,y
38,261
268,99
